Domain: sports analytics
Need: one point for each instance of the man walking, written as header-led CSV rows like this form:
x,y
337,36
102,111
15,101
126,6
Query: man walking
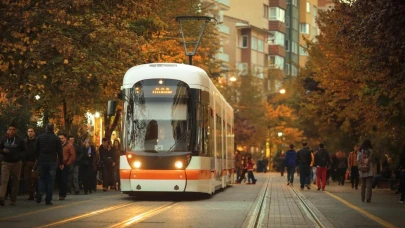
x,y
304,159
322,160
29,163
48,149
69,156
13,148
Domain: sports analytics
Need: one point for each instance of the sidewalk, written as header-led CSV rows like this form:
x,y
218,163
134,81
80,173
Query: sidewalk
x,y
338,206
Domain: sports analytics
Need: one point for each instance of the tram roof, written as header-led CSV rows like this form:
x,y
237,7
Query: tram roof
x,y
191,75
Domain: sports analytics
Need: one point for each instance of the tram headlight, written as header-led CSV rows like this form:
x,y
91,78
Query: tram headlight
x,y
178,164
137,164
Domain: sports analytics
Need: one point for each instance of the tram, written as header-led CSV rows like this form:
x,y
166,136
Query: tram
x,y
177,131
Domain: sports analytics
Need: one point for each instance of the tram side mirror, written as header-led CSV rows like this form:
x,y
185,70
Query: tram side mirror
x,y
112,105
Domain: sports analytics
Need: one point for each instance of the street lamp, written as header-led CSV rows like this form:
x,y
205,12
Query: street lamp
x,y
280,134
232,79
37,97
282,91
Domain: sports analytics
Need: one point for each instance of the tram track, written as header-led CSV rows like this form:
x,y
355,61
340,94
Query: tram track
x,y
133,219
310,213
258,213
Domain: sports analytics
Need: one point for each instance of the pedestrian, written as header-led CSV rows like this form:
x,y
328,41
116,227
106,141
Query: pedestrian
x,y
117,155
238,164
13,149
352,166
48,150
401,171
76,165
304,159
365,162
88,166
291,164
108,160
281,160
251,176
245,156
341,167
322,161
313,167
29,162
69,156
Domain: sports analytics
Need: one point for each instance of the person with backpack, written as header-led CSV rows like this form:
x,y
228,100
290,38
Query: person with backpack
x,y
304,159
322,161
365,165
290,163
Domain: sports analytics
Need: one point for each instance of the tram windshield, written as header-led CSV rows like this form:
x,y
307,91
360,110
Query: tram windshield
x,y
156,116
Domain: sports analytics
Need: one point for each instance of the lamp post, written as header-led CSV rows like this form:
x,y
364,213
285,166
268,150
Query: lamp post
x,y
190,46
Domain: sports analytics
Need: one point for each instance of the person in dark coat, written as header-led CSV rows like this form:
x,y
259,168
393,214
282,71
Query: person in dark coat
x,y
48,149
28,164
107,158
117,154
88,166
13,149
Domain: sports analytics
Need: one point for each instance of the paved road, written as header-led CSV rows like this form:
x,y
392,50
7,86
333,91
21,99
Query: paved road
x,y
269,203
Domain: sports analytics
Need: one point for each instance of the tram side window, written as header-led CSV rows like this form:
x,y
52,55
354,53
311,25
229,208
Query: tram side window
x,y
200,131
210,148
219,137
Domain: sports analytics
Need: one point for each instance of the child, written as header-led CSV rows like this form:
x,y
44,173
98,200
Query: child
x,y
250,165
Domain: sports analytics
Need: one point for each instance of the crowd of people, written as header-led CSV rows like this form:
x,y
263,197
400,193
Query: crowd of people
x,y
48,159
319,166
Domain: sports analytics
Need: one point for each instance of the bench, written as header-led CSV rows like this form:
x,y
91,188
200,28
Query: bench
x,y
387,183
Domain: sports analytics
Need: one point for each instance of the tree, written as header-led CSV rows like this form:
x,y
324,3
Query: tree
x,y
355,74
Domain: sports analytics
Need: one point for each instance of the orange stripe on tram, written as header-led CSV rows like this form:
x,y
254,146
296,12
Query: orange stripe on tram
x,y
168,174
125,173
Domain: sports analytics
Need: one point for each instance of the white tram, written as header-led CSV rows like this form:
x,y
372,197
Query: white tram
x,y
177,131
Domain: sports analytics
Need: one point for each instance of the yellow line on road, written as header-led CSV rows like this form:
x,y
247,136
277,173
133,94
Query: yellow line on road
x,y
364,212
87,215
55,207
143,216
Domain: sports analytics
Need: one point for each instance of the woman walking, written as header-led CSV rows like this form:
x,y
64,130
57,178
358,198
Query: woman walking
x,y
88,166
365,164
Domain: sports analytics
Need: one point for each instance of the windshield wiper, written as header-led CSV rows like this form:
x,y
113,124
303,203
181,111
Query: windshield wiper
x,y
181,139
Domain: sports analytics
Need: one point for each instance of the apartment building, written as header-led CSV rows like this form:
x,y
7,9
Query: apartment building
x,y
267,38
308,27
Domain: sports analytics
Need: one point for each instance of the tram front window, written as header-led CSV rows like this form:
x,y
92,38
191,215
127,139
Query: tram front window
x,y
156,116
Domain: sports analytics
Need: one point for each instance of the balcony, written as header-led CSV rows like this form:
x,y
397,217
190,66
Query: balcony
x,y
223,57
223,28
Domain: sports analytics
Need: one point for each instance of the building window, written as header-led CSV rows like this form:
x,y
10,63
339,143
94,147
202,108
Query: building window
x,y
260,45
243,41
259,71
265,11
294,70
254,43
276,62
276,14
287,45
304,28
294,47
242,69
308,7
295,23
276,38
287,21
287,69
303,51
294,2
